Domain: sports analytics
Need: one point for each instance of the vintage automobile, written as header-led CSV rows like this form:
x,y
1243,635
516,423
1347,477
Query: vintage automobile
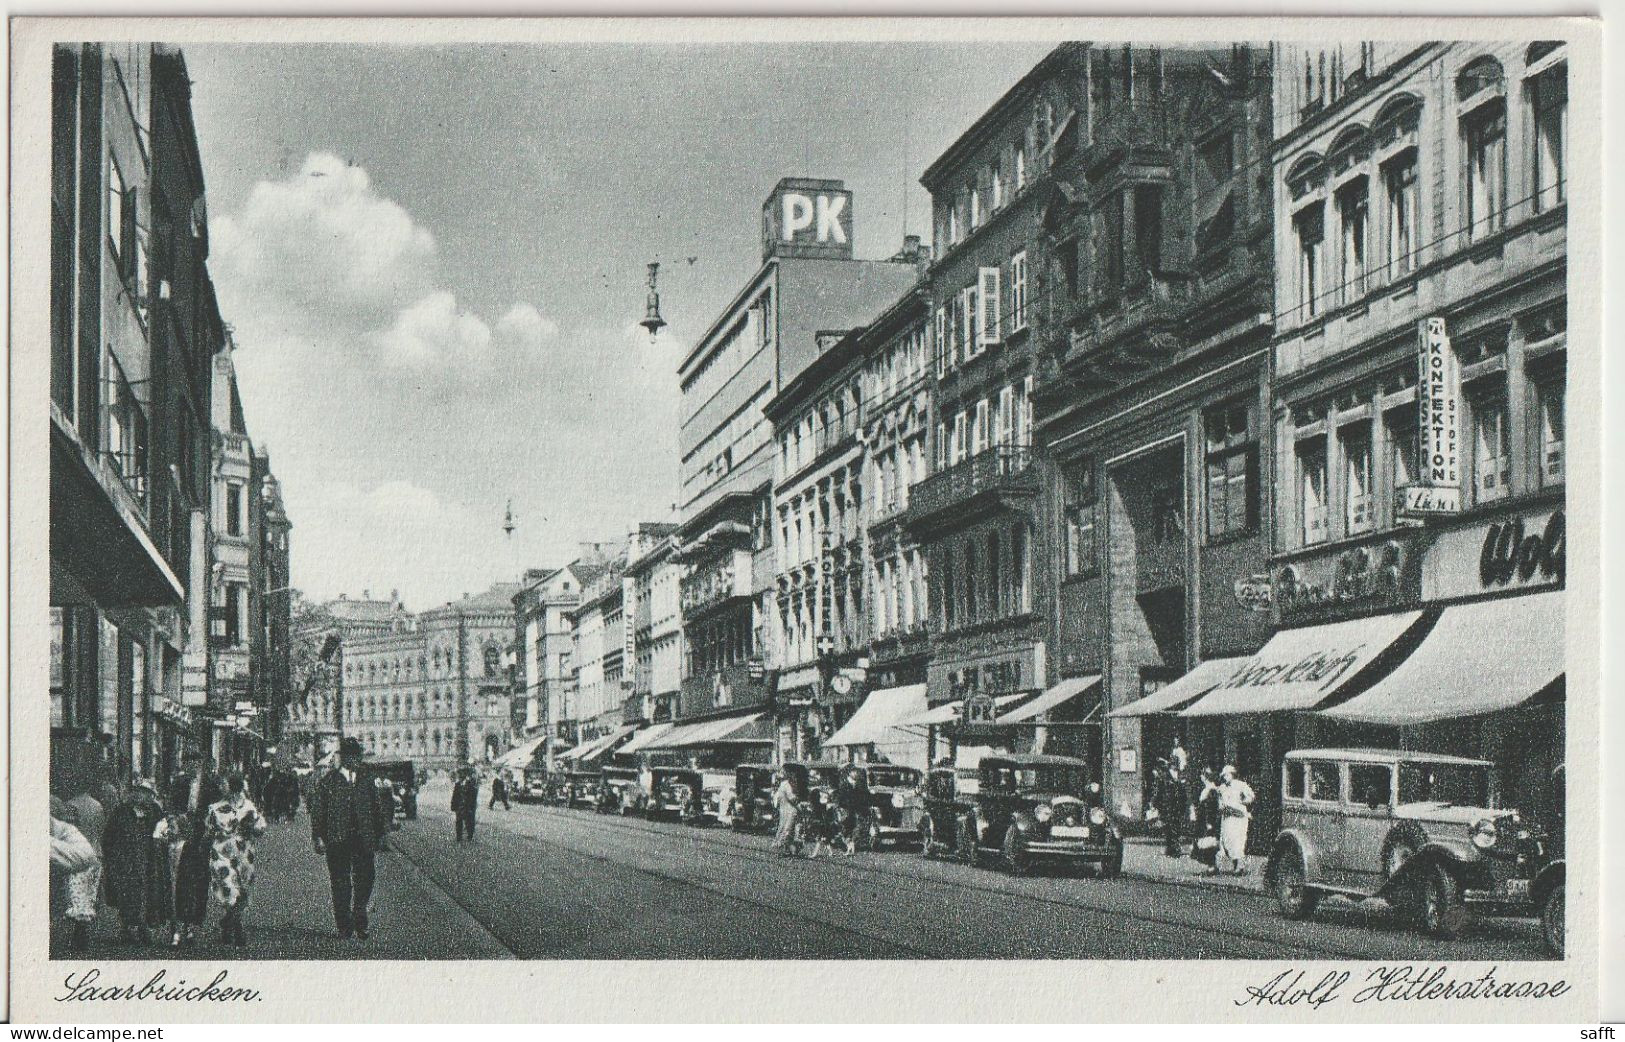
x,y
573,788
1419,830
716,799
674,792
753,809
1026,809
812,777
619,791
1548,890
403,778
894,808
536,788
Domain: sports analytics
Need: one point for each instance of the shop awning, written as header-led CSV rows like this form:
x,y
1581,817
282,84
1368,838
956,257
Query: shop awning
x,y
1193,685
750,729
879,714
1478,658
1056,696
948,712
1301,668
521,754
597,746
645,737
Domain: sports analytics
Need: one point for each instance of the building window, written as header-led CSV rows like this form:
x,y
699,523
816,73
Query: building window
x,y
1492,455
234,508
1021,573
996,594
1310,226
957,445
1551,432
946,592
1079,517
1359,499
1148,227
1399,187
1232,472
235,613
1018,291
121,221
127,432
1484,135
1402,446
1352,205
1312,490
969,582
1549,101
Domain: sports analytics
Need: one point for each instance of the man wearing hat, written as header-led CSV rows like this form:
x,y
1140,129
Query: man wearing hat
x,y
347,825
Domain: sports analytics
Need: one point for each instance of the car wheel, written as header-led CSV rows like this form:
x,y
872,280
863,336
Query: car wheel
x,y
965,841
1288,879
1406,898
928,839
1015,860
1551,920
1443,914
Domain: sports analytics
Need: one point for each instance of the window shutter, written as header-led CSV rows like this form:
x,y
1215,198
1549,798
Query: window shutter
x,y
1007,416
987,304
979,431
942,341
967,312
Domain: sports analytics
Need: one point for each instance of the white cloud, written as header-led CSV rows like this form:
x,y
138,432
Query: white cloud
x,y
525,330
435,332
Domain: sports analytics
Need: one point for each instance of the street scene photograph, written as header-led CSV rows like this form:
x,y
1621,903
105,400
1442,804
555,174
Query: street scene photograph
x,y
938,499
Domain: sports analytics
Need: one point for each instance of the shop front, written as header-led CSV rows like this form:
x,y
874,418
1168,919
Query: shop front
x,y
975,685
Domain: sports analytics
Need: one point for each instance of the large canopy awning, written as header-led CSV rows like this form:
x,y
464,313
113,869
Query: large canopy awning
x,y
1299,669
880,714
591,750
645,737
1056,696
948,712
521,754
1478,658
1175,696
749,730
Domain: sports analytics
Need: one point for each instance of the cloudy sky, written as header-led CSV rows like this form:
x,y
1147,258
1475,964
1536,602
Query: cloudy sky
x,y
433,260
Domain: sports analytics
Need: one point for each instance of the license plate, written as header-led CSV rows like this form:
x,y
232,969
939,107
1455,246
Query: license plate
x,y
1517,888
1070,832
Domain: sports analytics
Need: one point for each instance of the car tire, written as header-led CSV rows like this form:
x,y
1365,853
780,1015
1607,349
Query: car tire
x,y
1015,861
1443,914
1406,897
928,839
1288,880
965,841
1551,920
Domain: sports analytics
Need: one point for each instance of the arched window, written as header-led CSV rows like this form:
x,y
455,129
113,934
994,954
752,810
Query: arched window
x,y
1481,74
1481,86
493,660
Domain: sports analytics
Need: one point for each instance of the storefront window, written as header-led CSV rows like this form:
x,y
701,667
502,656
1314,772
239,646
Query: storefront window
x,y
1312,504
1492,455
1359,501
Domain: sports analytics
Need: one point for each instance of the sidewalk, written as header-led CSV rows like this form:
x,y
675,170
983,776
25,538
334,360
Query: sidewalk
x,y
290,915
1143,859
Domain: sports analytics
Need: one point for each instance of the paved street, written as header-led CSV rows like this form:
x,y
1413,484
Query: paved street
x,y
546,883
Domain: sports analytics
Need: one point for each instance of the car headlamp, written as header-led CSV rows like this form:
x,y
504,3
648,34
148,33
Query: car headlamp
x,y
896,799
1097,815
1042,812
1484,835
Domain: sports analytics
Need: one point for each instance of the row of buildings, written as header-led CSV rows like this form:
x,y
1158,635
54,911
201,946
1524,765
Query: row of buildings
x,y
169,551
1227,404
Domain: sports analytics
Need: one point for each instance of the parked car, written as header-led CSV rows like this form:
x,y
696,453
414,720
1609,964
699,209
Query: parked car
x,y
1547,891
894,808
716,799
1026,809
1419,830
536,788
619,791
580,789
674,792
403,778
753,809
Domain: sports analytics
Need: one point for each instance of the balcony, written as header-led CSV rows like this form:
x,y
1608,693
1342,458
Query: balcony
x,y
986,480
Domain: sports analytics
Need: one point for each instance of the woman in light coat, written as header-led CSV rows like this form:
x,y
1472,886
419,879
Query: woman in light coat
x,y
1235,799
75,860
786,803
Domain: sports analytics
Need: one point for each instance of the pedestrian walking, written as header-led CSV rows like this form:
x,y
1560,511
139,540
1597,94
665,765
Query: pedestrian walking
x,y
465,800
347,827
852,798
1178,758
76,871
1235,797
232,826
499,792
1173,807
784,801
1205,847
136,863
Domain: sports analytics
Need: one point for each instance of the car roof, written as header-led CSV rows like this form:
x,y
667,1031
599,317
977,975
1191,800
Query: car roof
x,y
1384,756
1032,760
830,764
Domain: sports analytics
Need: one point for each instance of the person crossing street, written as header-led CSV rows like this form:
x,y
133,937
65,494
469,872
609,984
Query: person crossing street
x,y
347,826
465,800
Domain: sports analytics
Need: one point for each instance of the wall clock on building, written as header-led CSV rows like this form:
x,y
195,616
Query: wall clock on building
x,y
840,683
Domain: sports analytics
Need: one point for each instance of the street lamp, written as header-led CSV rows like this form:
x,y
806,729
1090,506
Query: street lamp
x,y
651,306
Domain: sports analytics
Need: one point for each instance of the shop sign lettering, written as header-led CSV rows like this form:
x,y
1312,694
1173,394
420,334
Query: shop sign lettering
x,y
990,678
1363,575
1438,400
1322,667
1513,553
1254,593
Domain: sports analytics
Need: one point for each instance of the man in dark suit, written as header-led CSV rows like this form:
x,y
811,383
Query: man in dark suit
x,y
347,825
465,799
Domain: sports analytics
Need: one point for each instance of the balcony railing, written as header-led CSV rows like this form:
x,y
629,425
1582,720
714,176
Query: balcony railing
x,y
990,470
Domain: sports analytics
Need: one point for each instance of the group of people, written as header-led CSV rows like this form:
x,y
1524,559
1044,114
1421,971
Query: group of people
x,y
156,859
1216,807
812,824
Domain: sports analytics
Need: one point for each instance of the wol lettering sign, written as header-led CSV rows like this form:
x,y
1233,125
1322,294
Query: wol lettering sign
x,y
807,218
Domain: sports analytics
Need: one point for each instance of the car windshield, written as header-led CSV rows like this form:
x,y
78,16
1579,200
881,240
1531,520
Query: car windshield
x,y
1461,784
823,776
896,777
1039,779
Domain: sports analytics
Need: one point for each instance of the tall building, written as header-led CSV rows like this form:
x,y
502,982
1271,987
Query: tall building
x,y
768,334
655,614
134,331
543,615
